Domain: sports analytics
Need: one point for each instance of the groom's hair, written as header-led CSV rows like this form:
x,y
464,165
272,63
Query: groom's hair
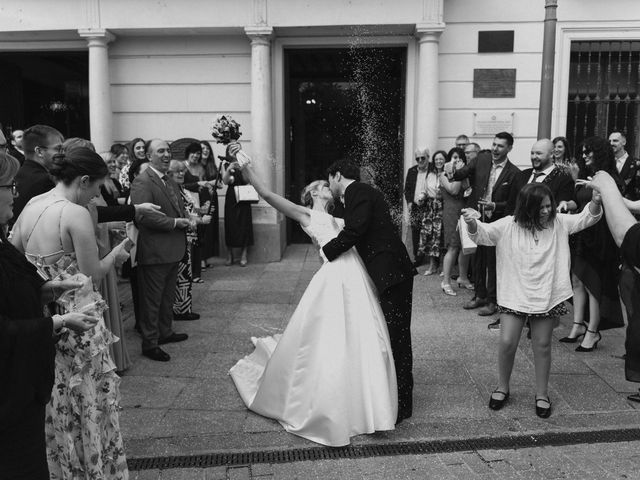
x,y
346,168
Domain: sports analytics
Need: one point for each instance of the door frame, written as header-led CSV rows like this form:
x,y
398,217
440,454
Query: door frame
x,y
279,93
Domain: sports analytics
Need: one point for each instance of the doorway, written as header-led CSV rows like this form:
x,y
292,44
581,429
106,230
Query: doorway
x,y
344,103
50,88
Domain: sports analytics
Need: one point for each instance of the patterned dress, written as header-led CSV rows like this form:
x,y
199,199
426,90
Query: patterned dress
x,y
82,425
184,300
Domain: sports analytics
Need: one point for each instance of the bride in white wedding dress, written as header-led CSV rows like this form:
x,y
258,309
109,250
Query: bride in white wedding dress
x,y
330,375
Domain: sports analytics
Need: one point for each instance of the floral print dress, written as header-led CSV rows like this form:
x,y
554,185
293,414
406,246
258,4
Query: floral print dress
x,y
82,424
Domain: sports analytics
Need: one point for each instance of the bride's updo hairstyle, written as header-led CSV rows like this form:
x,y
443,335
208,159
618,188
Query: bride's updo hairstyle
x,y
77,163
307,199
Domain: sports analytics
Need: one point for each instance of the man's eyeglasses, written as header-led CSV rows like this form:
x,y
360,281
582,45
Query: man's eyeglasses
x,y
13,187
421,158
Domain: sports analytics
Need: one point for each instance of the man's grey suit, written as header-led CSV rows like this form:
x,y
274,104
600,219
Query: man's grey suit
x,y
160,247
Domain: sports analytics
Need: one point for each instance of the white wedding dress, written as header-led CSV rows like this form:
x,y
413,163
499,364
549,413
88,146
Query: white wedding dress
x,y
330,375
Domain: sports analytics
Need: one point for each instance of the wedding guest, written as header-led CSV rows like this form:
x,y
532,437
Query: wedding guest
x,y
16,149
137,149
562,157
430,244
453,202
532,264
111,190
462,141
415,185
56,233
626,166
183,303
121,154
594,259
27,346
208,234
626,234
238,223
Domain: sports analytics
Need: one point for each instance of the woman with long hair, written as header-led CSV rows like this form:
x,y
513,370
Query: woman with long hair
x,y
563,158
27,346
431,230
533,281
208,234
595,259
56,233
453,203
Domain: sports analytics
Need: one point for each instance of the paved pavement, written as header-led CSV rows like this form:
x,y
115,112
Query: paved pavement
x,y
190,405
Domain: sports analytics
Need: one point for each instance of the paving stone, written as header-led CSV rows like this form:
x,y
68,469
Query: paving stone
x,y
215,473
150,392
182,474
203,394
239,473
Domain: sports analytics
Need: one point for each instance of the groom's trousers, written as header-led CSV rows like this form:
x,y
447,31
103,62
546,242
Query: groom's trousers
x,y
396,302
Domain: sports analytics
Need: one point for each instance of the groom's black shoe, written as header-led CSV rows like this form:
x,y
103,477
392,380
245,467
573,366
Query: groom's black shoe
x,y
402,416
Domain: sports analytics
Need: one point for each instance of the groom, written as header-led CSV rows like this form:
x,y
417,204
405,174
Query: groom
x,y
369,228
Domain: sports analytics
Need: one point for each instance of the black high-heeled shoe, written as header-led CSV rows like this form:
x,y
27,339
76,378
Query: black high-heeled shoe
x,y
497,404
568,339
580,348
543,412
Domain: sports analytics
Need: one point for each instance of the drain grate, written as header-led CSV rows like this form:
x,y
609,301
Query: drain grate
x,y
385,449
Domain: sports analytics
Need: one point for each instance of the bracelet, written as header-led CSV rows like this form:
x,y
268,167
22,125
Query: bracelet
x,y
62,320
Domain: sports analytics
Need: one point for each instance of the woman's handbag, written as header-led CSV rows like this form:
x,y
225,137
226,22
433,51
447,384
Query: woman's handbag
x,y
246,193
468,245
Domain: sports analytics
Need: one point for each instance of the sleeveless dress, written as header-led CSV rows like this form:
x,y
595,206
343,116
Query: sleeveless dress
x,y
82,424
330,375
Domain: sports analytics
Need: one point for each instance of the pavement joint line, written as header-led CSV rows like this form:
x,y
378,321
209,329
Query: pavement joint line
x,y
420,447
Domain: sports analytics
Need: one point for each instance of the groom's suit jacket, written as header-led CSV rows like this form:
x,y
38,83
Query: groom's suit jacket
x,y
369,228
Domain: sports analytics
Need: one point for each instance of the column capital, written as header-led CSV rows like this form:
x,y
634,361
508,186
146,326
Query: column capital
x,y
259,34
98,36
429,32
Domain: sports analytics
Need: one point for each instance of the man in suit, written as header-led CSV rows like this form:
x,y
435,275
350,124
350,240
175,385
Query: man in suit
x,y
495,185
414,187
17,149
161,245
545,171
626,165
369,228
41,143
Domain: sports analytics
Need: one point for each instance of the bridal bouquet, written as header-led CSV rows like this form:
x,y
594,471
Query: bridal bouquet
x,y
225,130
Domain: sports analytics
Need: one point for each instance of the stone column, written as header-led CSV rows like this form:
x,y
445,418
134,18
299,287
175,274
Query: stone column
x,y
100,113
268,224
427,105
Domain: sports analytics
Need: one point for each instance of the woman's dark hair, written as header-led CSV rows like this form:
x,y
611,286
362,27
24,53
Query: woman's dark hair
x,y
117,149
567,149
527,213
8,168
431,167
134,169
209,163
603,157
460,153
193,147
132,144
80,161
346,168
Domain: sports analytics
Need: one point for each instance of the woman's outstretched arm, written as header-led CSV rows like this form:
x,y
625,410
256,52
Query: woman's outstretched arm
x,y
292,210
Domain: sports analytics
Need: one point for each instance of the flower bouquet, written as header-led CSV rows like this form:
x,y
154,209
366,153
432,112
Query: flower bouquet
x,y
225,130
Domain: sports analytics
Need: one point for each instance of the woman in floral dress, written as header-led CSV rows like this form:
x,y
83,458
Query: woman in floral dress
x,y
55,232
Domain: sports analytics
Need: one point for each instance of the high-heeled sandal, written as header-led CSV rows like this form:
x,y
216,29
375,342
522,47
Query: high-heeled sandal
x,y
580,348
543,412
446,288
568,339
468,285
428,272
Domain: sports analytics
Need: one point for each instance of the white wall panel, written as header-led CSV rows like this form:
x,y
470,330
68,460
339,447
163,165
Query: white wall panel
x,y
463,37
191,45
459,95
460,67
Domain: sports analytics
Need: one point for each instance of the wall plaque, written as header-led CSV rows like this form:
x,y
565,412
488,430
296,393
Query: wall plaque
x,y
487,124
494,82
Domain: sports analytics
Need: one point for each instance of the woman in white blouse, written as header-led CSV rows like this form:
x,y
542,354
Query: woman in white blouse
x,y
533,279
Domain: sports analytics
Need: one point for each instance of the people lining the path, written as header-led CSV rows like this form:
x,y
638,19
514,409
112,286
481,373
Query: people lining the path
x,y
430,243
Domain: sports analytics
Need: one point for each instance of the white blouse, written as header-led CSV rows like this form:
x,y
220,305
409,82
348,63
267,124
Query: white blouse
x,y
533,270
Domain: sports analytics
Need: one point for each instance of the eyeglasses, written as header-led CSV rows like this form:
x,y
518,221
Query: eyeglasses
x,y
13,187
422,158
587,152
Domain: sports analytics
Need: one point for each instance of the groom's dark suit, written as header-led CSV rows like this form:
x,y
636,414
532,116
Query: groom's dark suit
x,y
369,228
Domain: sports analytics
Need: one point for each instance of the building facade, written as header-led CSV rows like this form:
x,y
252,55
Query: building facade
x,y
167,69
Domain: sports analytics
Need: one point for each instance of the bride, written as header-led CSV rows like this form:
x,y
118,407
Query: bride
x,y
330,375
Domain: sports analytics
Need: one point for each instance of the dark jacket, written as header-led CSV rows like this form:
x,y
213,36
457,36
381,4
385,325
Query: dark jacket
x,y
630,176
559,182
369,228
32,180
505,189
410,184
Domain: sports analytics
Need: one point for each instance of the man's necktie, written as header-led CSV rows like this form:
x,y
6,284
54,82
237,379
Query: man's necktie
x,y
170,191
536,175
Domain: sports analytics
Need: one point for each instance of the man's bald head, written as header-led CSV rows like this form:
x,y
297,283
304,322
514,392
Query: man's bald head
x,y
159,154
541,154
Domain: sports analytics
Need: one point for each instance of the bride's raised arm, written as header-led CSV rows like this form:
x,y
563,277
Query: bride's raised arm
x,y
292,210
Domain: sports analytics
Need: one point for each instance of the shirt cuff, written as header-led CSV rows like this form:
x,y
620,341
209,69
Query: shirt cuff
x,y
323,256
